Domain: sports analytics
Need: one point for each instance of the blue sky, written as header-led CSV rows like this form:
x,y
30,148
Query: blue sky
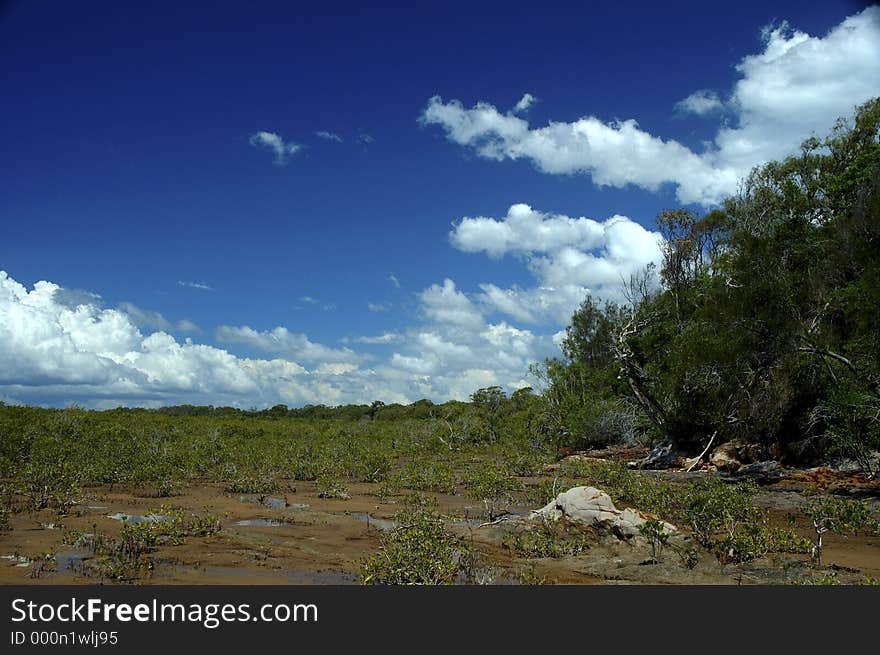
x,y
265,202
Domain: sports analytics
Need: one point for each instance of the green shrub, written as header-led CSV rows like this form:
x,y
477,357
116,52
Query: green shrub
x,y
528,465
424,475
329,486
840,515
655,532
552,540
418,551
491,482
48,483
253,483
203,526
752,541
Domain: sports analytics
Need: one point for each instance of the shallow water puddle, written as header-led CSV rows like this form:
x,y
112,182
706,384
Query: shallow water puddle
x,y
476,522
262,522
136,518
382,524
21,560
69,561
274,503
468,522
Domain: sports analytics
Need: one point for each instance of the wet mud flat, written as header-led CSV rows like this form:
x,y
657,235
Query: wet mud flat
x,y
295,536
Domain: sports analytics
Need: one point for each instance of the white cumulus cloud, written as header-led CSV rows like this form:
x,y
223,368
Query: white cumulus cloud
x,y
92,351
195,285
800,84
568,257
276,144
525,102
385,337
280,340
445,304
328,136
700,102
74,350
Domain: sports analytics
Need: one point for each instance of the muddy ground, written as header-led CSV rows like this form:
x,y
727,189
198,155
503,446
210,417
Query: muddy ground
x,y
297,537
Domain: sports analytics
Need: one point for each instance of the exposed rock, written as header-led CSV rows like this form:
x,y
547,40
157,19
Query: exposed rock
x,y
731,456
868,464
593,507
662,456
766,471
724,458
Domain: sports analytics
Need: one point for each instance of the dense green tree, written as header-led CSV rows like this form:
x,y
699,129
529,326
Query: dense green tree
x,y
767,326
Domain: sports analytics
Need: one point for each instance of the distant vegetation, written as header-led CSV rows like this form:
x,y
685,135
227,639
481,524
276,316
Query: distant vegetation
x,y
46,455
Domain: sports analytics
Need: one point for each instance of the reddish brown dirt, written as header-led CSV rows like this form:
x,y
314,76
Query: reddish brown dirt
x,y
326,542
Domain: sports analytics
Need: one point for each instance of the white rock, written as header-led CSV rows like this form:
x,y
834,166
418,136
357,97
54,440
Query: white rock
x,y
593,507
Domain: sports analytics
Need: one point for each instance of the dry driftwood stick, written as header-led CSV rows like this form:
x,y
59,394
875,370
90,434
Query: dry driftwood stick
x,y
705,450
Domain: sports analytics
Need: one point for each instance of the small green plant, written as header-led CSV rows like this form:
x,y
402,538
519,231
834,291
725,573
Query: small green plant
x,y
605,474
203,526
655,532
47,483
418,551
423,475
168,486
372,465
136,539
553,540
71,537
829,578
43,564
528,465
840,515
474,570
330,486
687,555
754,540
529,576
96,543
491,483
116,559
7,495
175,525
711,507
171,528
253,483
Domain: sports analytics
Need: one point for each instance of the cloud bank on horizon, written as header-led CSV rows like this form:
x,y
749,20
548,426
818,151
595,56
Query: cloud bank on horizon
x,y
56,351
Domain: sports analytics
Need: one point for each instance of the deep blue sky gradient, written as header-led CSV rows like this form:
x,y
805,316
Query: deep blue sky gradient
x,y
126,166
